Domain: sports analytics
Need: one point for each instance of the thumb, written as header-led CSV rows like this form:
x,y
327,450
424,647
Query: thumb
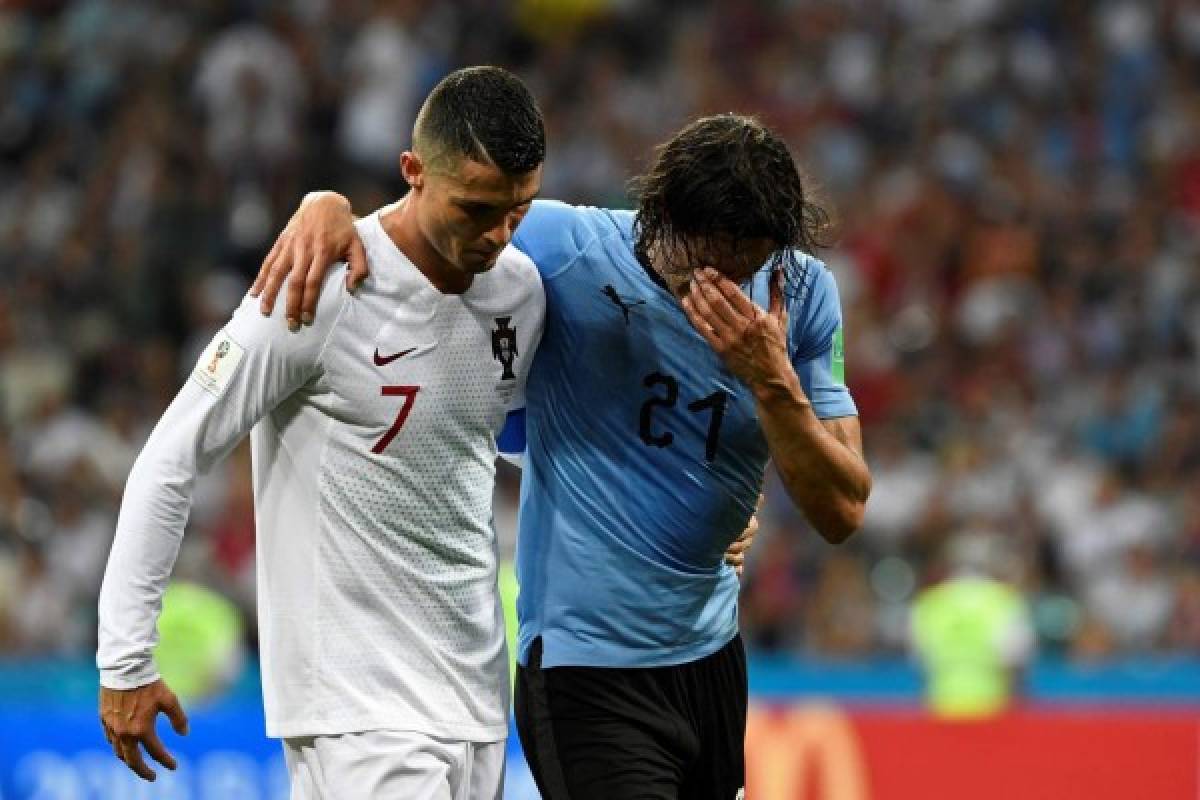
x,y
356,258
174,711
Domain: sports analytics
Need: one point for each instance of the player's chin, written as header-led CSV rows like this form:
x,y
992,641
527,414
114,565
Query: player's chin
x,y
480,262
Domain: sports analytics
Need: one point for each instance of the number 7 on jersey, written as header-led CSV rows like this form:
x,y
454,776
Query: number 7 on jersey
x,y
409,393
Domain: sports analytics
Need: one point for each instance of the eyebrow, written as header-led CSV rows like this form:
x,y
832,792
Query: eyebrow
x,y
483,204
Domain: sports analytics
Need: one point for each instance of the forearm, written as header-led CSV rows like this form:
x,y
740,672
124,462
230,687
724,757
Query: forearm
x,y
826,478
154,512
250,366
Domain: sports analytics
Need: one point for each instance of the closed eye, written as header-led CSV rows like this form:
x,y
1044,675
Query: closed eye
x,y
477,208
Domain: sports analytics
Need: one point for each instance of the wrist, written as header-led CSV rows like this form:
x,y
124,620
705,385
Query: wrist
x,y
128,680
783,398
782,386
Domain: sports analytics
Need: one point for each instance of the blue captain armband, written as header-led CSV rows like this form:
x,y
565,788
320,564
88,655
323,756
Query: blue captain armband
x,y
511,441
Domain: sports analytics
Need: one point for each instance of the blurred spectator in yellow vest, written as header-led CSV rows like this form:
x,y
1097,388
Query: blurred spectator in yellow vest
x,y
200,648
971,631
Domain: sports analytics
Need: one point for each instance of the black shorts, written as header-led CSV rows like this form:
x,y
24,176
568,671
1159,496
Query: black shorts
x,y
661,733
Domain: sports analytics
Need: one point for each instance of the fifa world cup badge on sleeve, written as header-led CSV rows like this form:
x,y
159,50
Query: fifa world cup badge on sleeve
x,y
217,364
838,358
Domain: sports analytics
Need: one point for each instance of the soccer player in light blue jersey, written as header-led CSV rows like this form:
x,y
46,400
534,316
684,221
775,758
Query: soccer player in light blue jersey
x,y
685,345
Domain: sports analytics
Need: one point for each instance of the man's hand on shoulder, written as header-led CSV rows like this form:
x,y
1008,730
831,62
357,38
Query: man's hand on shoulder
x,y
319,234
128,717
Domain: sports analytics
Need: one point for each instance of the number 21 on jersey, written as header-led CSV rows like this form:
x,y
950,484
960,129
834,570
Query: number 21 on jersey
x,y
714,402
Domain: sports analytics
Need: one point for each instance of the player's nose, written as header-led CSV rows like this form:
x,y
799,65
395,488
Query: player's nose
x,y
500,235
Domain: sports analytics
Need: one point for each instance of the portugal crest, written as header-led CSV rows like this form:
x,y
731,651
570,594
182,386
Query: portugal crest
x,y
504,346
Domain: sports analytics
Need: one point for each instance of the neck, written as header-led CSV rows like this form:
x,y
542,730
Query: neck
x,y
401,226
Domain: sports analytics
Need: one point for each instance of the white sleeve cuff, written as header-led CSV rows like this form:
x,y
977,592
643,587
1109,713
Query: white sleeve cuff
x,y
123,679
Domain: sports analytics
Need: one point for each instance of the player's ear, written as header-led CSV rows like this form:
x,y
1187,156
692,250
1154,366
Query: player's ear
x,y
413,169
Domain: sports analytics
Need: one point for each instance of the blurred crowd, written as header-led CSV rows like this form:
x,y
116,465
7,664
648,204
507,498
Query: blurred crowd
x,y
1015,194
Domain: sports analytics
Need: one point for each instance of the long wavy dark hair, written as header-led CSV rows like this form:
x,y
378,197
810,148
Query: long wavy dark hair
x,y
718,183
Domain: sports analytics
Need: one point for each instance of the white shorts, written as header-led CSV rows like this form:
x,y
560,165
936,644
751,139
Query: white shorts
x,y
393,764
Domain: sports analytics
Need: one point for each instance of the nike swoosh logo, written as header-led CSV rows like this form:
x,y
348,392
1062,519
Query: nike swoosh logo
x,y
383,361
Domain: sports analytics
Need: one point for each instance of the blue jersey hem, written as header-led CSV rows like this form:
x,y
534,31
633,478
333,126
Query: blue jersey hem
x,y
556,653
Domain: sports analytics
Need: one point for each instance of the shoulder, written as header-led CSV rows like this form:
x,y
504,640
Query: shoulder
x,y
554,234
516,269
515,263
814,307
812,291
267,339
375,241
332,298
809,280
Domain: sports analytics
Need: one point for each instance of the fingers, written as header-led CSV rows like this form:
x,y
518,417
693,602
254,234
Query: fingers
x,y
735,555
356,257
702,298
264,271
128,716
276,273
174,711
742,543
752,525
700,323
156,750
738,302
132,756
300,263
312,286
724,318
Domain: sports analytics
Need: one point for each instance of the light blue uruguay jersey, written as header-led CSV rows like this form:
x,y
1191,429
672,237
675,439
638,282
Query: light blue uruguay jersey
x,y
644,456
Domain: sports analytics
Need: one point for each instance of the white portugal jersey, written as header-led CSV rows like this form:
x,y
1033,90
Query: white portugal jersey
x,y
374,460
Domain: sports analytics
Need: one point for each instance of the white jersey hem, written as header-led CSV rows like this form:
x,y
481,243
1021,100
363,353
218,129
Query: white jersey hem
x,y
461,733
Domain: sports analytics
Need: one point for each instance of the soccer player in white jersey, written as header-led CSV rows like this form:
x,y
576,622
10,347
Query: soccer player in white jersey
x,y
373,435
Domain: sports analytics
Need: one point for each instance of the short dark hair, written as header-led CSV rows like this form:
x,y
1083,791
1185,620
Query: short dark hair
x,y
724,180
486,114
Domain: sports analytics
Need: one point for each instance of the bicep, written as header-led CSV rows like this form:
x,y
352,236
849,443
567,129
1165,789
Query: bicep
x,y
252,365
818,354
822,381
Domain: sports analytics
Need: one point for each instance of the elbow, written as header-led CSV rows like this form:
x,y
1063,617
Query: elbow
x,y
838,515
839,528
844,521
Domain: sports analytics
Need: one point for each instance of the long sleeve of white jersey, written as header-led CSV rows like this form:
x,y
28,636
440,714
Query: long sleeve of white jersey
x,y
250,367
